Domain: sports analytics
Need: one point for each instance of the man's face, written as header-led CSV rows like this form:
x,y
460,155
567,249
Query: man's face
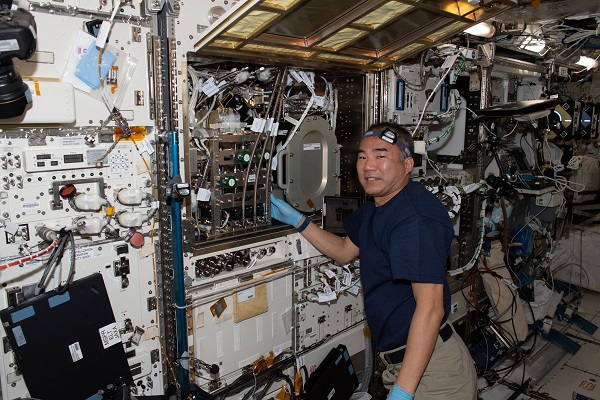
x,y
381,170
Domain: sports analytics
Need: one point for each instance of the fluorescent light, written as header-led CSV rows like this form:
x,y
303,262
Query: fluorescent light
x,y
482,29
534,45
587,62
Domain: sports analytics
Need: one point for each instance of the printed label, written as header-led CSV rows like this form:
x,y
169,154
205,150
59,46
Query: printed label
x,y
312,146
203,194
245,295
30,205
69,141
110,335
75,351
83,253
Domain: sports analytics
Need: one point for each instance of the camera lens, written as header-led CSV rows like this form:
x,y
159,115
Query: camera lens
x,y
14,94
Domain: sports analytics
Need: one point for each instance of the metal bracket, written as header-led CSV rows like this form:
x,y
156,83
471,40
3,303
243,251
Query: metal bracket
x,y
57,202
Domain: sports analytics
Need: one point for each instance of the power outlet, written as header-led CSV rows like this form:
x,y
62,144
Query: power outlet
x,y
454,308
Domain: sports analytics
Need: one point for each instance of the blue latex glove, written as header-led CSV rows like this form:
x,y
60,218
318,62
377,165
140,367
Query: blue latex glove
x,y
398,393
282,211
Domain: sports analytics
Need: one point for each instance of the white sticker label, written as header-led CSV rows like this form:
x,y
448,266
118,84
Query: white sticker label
x,y
251,178
110,335
211,87
146,146
327,297
82,253
319,101
203,194
312,146
330,395
30,205
277,350
275,129
258,125
68,141
347,278
449,62
75,351
269,125
245,295
354,289
274,164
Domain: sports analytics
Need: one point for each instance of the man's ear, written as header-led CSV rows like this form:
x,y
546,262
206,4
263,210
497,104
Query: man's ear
x,y
409,164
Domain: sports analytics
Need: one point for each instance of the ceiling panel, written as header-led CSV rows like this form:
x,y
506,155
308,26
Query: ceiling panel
x,y
310,16
365,34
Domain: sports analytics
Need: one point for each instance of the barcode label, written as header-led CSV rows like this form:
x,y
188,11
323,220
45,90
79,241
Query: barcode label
x,y
30,205
75,351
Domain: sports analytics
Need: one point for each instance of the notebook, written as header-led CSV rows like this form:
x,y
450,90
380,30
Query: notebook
x,y
67,345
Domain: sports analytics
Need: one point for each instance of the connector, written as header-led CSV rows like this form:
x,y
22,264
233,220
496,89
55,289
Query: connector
x,y
46,233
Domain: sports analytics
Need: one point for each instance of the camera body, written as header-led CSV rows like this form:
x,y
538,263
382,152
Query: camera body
x,y
18,34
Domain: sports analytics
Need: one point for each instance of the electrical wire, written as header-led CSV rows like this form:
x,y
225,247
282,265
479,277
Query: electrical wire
x,y
50,264
30,257
63,288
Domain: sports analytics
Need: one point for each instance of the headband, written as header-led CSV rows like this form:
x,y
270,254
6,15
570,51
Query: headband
x,y
391,137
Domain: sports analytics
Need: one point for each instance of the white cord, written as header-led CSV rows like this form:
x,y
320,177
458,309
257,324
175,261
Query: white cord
x,y
433,92
562,184
575,162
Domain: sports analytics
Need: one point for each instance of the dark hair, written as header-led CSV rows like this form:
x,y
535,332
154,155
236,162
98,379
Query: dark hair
x,y
403,135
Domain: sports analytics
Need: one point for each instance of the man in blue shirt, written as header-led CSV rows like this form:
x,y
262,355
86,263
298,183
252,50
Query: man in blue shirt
x,y
403,238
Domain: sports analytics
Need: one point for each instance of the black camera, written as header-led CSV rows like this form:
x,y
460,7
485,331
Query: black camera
x,y
17,39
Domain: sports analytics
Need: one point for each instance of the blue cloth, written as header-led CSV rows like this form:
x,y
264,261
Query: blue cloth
x,y
397,393
406,239
87,68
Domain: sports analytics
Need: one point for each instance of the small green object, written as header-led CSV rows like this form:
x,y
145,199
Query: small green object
x,y
228,181
243,157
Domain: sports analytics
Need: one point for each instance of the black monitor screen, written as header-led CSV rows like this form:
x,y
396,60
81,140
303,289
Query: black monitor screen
x,y
335,210
514,160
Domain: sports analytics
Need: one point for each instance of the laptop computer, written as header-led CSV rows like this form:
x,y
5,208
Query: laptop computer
x,y
68,345
513,165
334,378
335,210
517,108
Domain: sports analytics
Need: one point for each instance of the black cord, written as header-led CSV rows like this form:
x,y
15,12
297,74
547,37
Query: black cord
x,y
54,258
63,288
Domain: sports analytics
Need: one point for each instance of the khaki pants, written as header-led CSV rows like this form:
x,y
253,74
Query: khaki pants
x,y
450,374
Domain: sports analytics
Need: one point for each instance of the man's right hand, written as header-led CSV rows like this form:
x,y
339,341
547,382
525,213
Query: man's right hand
x,y
282,211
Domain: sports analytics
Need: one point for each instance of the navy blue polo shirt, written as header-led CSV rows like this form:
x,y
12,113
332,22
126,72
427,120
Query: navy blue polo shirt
x,y
407,239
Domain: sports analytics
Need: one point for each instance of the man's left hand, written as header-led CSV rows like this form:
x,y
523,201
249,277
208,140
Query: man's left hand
x,y
397,393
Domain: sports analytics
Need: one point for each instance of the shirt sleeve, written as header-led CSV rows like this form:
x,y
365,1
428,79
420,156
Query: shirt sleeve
x,y
418,251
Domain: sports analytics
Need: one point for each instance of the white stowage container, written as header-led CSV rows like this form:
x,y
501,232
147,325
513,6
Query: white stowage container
x,y
577,258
